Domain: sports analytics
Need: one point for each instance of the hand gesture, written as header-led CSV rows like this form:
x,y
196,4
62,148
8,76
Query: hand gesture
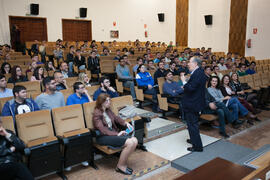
x,y
212,106
150,86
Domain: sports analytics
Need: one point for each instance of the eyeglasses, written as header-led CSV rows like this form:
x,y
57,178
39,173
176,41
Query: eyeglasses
x,y
106,81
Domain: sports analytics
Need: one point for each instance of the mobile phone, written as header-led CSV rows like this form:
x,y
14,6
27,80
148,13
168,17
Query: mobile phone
x,y
129,130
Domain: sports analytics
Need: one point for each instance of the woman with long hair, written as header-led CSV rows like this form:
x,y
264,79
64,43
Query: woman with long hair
x,y
83,77
231,102
107,123
5,68
38,74
16,75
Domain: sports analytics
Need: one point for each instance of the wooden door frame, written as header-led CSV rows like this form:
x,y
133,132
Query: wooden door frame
x,y
27,17
83,20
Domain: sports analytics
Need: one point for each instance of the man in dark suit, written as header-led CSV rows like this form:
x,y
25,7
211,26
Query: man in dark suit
x,y
194,101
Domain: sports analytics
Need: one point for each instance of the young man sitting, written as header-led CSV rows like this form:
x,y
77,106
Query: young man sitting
x,y
4,91
105,88
60,81
19,104
80,95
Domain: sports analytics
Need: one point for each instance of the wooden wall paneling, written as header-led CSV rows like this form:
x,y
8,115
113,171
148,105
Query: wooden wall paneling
x,y
238,22
76,30
32,28
182,22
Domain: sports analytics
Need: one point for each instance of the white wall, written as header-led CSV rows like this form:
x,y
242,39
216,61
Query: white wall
x,y
258,17
130,17
215,35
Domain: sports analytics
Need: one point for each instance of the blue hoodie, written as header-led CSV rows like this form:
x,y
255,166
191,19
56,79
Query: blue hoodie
x,y
144,79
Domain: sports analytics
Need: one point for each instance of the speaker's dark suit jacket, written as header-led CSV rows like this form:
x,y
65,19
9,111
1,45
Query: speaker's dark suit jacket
x,y
194,92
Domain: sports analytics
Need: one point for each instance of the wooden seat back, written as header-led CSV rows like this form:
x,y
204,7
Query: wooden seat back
x,y
119,102
67,119
35,126
31,86
88,109
7,122
3,101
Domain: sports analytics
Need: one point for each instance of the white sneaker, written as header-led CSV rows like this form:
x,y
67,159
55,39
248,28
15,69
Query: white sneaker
x,y
85,163
68,168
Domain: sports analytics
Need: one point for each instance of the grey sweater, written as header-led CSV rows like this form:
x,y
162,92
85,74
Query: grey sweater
x,y
216,93
123,72
50,101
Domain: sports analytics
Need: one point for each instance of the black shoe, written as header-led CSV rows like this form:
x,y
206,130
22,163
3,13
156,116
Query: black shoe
x,y
142,147
250,122
236,122
257,119
130,170
127,172
236,126
189,141
224,134
192,149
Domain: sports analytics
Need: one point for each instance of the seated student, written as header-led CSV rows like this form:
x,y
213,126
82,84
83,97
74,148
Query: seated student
x,y
105,88
107,123
231,102
227,91
60,81
38,74
222,66
145,80
174,90
233,69
151,66
105,52
4,91
118,54
160,72
139,62
64,70
11,148
79,60
216,72
173,69
221,110
252,68
16,75
35,58
50,98
49,66
32,67
58,52
19,104
158,57
5,68
125,57
93,63
70,58
80,95
242,70
237,87
124,75
183,67
83,77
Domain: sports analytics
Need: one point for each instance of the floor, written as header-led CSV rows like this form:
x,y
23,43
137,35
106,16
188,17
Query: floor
x,y
155,164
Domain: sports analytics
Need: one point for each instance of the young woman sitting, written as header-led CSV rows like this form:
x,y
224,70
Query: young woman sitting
x,y
108,123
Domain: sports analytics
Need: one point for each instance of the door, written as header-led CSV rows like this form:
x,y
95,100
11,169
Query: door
x,y
31,28
76,30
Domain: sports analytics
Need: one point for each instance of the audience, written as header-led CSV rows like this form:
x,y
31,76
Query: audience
x,y
70,58
19,104
80,95
51,98
145,80
38,74
107,123
125,76
4,91
64,70
12,148
16,75
139,62
93,63
160,72
242,70
83,77
5,68
105,87
79,60
60,81
252,68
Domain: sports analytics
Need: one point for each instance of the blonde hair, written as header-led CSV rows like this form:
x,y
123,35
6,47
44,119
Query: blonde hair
x,y
81,77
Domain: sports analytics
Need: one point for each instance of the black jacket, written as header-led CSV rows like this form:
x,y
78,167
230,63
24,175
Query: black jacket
x,y
6,155
159,74
79,62
93,64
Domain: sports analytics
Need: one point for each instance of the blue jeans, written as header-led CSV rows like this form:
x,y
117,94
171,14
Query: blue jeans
x,y
70,67
153,92
236,108
130,84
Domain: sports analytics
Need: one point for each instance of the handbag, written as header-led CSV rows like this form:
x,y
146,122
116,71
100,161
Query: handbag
x,y
128,112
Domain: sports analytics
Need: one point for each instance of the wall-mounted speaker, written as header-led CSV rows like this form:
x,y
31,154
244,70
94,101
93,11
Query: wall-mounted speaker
x,y
208,19
83,12
161,17
34,9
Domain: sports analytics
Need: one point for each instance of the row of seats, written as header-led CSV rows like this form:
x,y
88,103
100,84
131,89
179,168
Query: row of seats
x,y
62,133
